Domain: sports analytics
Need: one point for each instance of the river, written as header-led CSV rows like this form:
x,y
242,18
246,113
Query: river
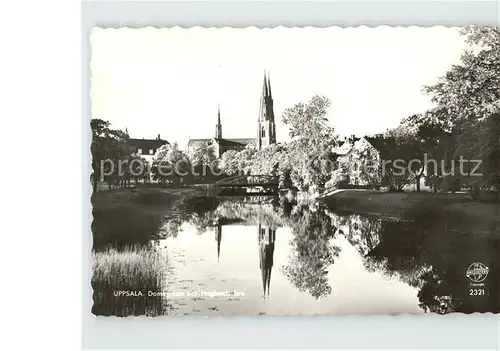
x,y
274,258
263,256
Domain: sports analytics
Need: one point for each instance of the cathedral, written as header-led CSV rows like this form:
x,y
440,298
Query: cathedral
x,y
266,128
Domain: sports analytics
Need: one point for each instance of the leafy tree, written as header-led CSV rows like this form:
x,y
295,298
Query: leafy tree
x,y
427,139
402,148
237,162
139,167
467,100
266,160
204,161
170,165
308,120
203,156
228,162
489,149
310,152
107,144
470,90
340,176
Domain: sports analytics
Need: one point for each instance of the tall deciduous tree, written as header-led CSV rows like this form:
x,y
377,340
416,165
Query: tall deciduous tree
x,y
170,164
489,149
203,155
470,90
107,144
309,120
467,98
310,151
401,165
427,140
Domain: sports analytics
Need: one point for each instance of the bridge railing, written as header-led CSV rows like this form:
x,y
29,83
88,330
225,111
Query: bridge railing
x,y
249,179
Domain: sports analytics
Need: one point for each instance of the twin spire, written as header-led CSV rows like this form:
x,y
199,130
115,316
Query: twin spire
x,y
266,110
266,90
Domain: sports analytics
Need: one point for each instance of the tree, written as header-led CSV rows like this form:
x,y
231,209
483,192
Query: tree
x,y
107,144
310,152
170,165
308,120
427,136
467,97
470,90
204,161
139,167
370,166
237,162
228,162
340,176
489,149
204,155
402,149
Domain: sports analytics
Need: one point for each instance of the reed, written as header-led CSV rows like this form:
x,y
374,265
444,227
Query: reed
x,y
122,279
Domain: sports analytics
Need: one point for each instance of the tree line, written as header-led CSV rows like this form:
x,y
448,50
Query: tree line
x,y
114,160
464,123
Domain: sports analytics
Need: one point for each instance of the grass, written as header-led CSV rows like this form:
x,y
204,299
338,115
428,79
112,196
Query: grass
x,y
124,223
392,204
134,269
458,210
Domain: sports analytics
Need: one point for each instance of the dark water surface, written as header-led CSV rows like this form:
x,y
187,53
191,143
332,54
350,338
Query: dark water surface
x,y
279,258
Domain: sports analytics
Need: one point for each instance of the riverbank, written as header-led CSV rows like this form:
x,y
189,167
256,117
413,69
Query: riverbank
x,y
133,216
458,209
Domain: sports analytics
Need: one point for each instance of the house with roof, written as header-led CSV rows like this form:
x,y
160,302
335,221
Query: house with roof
x,y
266,129
360,160
146,148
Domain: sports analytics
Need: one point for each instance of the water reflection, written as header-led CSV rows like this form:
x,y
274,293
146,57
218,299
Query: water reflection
x,y
267,237
313,250
311,260
298,249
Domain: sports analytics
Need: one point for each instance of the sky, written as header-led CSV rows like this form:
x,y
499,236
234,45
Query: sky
x,y
170,81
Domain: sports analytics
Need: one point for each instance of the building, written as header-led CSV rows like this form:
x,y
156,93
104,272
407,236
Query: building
x,y
360,159
266,129
146,148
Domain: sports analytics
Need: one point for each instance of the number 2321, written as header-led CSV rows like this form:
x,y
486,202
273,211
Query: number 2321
x,y
476,292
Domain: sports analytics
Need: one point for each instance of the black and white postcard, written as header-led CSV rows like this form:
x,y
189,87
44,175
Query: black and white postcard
x,y
295,171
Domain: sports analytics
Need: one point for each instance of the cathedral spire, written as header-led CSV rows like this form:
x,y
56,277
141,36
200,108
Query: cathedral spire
x,y
265,93
266,133
218,126
269,85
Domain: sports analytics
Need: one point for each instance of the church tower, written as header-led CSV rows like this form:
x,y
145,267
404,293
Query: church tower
x,y
218,126
267,129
